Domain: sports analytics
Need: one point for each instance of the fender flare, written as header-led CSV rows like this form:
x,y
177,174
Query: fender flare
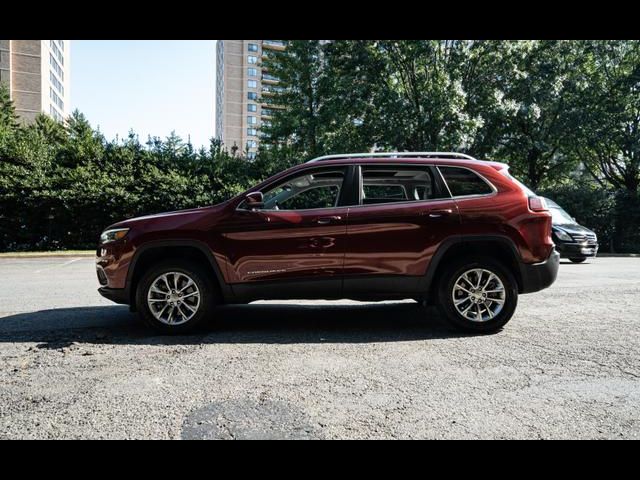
x,y
199,245
447,244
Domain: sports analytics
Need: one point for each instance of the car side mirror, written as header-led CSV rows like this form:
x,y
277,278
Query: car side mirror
x,y
254,200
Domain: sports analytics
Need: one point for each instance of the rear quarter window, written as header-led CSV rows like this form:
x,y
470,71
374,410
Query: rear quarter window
x,y
463,182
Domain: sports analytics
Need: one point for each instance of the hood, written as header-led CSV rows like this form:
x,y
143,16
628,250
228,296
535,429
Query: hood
x,y
573,228
179,219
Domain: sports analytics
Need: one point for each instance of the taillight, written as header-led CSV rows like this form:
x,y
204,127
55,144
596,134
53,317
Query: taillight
x,y
537,204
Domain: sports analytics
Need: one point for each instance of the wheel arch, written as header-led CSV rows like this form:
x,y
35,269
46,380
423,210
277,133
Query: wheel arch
x,y
498,247
149,253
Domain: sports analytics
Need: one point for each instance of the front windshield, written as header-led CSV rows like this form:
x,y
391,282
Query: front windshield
x,y
560,217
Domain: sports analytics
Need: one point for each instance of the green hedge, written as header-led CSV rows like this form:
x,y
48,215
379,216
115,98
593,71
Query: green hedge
x,y
60,186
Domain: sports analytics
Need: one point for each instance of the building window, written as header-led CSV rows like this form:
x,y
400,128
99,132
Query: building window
x,y
56,67
253,47
56,83
253,72
252,144
251,155
252,107
56,51
54,113
56,99
252,95
252,120
252,131
252,59
252,83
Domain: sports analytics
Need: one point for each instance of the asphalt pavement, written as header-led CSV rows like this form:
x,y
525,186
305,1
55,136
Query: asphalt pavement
x,y
74,365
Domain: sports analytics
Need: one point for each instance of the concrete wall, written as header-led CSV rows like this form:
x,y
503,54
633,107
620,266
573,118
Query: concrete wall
x,y
26,85
5,62
25,68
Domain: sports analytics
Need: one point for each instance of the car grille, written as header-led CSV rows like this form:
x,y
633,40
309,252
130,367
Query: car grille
x,y
102,278
584,238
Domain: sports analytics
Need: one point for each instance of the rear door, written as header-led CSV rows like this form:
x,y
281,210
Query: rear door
x,y
403,214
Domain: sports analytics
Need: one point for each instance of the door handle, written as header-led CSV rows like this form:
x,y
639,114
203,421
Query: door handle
x,y
327,220
440,213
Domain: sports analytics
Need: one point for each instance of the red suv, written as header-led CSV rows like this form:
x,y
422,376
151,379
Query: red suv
x,y
441,228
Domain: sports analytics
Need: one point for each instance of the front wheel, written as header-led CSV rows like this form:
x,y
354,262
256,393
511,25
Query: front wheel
x,y
578,260
478,295
175,296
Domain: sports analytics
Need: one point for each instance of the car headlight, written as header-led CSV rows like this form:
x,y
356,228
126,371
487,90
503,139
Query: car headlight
x,y
113,234
564,236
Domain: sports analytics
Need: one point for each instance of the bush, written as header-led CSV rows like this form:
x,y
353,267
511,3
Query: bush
x,y
61,186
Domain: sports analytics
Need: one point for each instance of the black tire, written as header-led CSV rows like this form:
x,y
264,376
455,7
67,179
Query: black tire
x,y
209,296
445,295
577,260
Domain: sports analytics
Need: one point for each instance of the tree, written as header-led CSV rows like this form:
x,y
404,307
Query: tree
x,y
420,102
529,113
8,117
609,113
299,117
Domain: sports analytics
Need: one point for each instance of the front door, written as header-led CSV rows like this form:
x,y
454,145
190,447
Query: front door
x,y
299,236
404,213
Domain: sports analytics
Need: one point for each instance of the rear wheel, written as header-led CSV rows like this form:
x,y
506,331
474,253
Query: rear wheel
x,y
477,295
175,296
578,260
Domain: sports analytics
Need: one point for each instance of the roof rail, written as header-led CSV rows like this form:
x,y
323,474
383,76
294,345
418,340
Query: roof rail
x,y
393,155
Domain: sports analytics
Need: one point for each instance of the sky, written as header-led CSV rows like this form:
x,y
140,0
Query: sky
x,y
150,86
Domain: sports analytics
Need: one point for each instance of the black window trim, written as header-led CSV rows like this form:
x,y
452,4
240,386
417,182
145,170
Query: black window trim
x,y
473,195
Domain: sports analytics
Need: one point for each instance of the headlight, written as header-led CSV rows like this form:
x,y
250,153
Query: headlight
x,y
113,235
564,236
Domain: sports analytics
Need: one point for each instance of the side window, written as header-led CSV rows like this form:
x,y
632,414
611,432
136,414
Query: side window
x,y
316,189
462,181
386,184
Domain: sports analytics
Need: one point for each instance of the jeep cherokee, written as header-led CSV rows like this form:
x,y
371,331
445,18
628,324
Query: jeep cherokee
x,y
441,228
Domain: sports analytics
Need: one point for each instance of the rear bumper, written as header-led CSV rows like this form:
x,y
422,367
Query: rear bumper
x,y
537,276
117,295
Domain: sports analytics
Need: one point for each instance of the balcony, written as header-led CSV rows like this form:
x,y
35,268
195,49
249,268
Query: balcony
x,y
271,106
273,44
272,89
269,78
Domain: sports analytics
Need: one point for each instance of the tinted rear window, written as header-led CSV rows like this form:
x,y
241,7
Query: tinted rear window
x,y
402,183
464,182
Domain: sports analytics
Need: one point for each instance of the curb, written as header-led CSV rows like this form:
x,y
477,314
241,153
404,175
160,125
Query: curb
x,y
628,255
46,255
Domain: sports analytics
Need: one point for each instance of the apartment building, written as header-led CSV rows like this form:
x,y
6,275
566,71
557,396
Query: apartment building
x,y
240,84
37,73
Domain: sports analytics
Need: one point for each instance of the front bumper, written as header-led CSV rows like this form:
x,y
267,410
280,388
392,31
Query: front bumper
x,y
577,250
117,295
537,276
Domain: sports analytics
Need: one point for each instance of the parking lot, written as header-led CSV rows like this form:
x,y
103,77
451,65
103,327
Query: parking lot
x,y
73,365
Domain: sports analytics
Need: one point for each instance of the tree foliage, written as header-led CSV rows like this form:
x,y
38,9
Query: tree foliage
x,y
564,114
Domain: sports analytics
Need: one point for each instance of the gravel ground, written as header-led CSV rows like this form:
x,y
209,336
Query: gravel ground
x,y
73,365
